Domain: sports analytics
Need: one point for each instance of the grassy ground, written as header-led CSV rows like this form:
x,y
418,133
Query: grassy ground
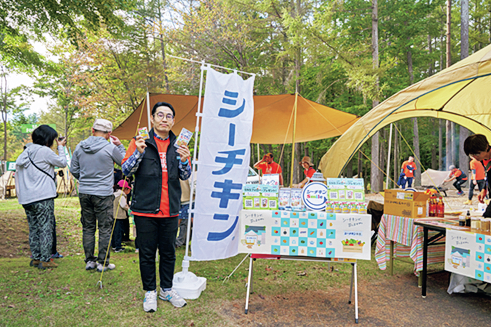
x,y
70,295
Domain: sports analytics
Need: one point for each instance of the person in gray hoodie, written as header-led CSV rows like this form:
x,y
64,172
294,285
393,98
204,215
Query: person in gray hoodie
x,y
36,190
93,165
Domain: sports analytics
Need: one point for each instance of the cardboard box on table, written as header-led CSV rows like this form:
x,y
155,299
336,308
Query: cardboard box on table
x,y
405,203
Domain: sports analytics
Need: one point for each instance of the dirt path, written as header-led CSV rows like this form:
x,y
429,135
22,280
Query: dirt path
x,y
393,302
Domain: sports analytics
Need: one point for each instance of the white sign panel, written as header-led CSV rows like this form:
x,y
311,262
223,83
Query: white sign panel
x,y
311,234
223,164
468,254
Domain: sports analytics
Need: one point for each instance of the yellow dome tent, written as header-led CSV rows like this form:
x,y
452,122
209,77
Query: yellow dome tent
x,y
460,93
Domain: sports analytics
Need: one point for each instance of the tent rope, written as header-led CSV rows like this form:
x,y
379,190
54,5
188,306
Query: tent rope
x,y
377,167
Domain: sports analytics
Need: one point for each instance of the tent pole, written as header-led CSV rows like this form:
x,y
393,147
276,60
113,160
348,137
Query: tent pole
x,y
148,110
293,140
387,180
258,153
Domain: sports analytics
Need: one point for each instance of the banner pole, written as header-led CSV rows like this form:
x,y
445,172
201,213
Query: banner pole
x,y
186,283
193,171
293,140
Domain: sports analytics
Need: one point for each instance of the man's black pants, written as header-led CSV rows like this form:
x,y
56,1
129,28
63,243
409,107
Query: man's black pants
x,y
457,184
153,234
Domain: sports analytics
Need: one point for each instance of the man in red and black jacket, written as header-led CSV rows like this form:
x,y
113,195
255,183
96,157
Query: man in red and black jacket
x,y
157,165
477,147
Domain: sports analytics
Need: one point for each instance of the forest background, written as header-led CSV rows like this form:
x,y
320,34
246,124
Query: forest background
x,y
346,54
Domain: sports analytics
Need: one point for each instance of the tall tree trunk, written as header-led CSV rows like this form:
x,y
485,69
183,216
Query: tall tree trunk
x,y
434,162
410,66
375,176
162,49
441,52
449,24
4,115
430,68
164,63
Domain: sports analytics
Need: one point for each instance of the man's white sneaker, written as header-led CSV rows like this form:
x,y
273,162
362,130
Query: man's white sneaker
x,y
150,301
110,266
90,265
173,297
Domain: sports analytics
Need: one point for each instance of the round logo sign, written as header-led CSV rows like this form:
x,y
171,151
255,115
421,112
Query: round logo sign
x,y
314,196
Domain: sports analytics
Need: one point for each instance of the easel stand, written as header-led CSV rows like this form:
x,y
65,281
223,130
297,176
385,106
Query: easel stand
x,y
354,279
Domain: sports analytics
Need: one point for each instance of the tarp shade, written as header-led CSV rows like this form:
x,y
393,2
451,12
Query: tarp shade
x,y
460,93
432,178
273,118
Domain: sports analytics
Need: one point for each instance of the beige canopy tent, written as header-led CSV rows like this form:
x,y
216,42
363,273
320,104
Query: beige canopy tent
x,y
273,118
460,93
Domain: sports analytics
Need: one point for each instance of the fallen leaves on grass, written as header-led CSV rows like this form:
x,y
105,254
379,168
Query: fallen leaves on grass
x,y
301,273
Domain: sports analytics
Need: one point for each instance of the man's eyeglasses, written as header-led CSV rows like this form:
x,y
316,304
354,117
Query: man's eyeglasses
x,y
161,116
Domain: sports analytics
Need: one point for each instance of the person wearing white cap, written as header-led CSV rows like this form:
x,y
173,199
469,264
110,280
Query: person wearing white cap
x,y
93,165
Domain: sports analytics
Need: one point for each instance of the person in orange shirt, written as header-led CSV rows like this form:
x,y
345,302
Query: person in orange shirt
x,y
157,165
459,176
477,178
477,147
408,167
308,171
268,166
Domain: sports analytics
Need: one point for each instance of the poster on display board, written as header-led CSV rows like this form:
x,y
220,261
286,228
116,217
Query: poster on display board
x,y
311,234
468,254
345,189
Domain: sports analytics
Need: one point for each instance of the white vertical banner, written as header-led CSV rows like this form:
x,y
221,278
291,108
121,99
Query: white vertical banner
x,y
223,164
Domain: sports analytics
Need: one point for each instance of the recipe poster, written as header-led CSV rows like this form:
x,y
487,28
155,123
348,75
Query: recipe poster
x,y
345,189
468,254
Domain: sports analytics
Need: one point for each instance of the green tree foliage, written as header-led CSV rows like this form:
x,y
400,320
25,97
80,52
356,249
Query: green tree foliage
x,y
323,48
23,19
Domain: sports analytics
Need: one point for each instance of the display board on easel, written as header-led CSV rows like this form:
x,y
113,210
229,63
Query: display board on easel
x,y
310,234
468,254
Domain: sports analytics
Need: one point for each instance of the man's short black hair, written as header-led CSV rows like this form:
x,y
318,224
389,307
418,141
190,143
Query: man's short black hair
x,y
163,104
44,135
475,143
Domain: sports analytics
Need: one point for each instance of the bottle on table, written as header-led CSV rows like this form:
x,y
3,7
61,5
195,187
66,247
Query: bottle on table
x,y
461,220
432,207
440,208
468,219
